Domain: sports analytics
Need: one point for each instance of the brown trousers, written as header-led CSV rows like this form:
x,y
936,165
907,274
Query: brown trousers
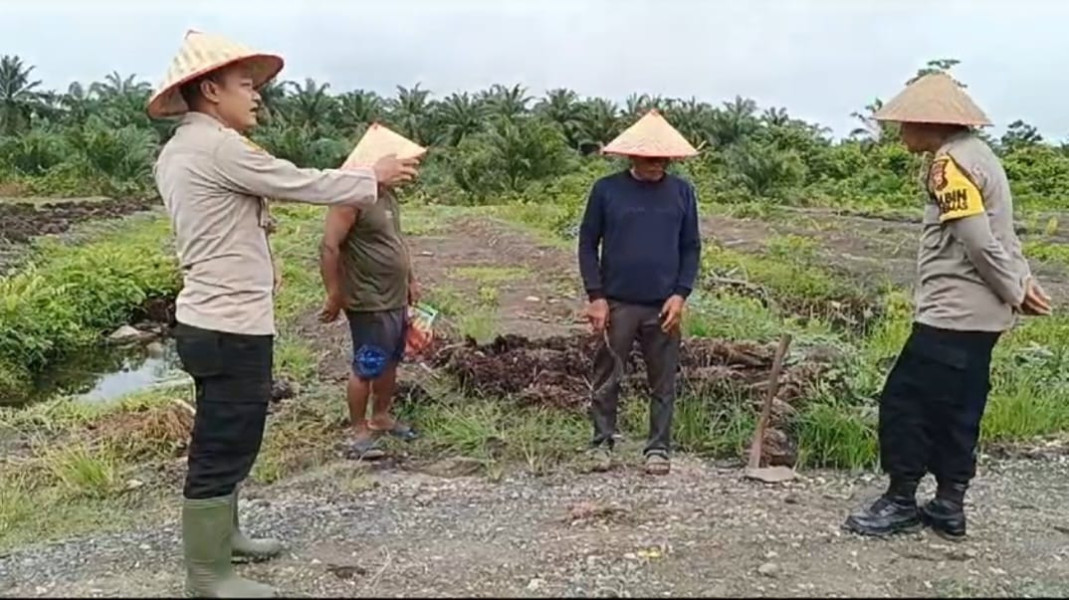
x,y
660,352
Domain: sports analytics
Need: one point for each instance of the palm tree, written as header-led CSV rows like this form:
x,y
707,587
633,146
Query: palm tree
x,y
459,116
562,106
115,86
637,105
272,100
410,112
1020,135
871,129
19,98
122,99
310,105
690,117
601,122
76,102
734,122
775,117
507,102
939,65
358,109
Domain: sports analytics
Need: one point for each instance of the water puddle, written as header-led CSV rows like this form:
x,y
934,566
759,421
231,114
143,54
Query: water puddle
x,y
111,372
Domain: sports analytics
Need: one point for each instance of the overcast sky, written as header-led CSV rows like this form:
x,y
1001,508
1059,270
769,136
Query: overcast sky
x,y
821,59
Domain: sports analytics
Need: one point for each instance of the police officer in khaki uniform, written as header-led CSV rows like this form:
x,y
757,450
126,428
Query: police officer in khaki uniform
x,y
214,182
973,281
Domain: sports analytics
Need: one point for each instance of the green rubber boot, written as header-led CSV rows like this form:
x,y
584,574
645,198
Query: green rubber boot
x,y
206,530
254,549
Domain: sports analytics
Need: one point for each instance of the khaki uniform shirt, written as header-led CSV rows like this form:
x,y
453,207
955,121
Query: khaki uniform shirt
x,y
971,269
214,183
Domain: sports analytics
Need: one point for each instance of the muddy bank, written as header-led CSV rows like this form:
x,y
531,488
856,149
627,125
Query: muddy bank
x,y
556,372
21,221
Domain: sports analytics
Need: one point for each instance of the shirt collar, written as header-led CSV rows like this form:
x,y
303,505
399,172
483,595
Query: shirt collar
x,y
200,119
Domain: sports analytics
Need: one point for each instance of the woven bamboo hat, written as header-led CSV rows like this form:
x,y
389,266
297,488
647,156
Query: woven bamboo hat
x,y
934,98
651,136
379,141
202,53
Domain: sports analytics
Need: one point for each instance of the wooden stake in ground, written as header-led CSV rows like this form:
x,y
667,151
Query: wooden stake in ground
x,y
754,470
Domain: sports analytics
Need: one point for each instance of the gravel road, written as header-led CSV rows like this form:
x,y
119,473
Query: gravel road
x,y
701,531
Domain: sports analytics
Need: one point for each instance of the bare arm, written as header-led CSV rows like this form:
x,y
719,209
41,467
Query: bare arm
x,y
251,170
340,220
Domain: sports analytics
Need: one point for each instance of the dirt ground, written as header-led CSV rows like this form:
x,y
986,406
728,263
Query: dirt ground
x,y
867,248
22,220
701,531
445,529
541,299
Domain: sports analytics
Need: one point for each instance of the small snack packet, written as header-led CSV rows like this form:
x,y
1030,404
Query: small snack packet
x,y
420,331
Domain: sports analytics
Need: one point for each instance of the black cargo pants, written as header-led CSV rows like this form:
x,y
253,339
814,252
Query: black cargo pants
x,y
660,351
232,378
932,404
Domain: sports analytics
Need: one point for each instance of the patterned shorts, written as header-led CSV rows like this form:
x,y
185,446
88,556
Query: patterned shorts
x,y
378,340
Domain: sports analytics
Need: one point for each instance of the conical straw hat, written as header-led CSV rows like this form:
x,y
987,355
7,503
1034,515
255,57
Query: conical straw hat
x,y
379,141
202,53
651,136
934,98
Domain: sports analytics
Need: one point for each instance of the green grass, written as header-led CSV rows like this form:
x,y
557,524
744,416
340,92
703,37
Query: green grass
x,y
545,221
94,472
1046,251
427,219
66,296
490,274
88,466
788,288
467,314
82,456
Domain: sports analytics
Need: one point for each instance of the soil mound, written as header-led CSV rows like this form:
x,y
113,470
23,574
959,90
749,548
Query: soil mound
x,y
21,221
557,372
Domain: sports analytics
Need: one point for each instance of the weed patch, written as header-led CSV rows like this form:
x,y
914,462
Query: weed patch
x,y
67,296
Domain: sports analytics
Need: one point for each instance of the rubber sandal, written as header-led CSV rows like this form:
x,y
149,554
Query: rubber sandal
x,y
364,449
657,463
399,430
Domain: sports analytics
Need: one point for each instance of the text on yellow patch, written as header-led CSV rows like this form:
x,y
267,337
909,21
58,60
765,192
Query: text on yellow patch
x,y
954,194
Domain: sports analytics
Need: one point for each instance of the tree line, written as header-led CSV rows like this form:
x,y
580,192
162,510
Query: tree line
x,y
495,143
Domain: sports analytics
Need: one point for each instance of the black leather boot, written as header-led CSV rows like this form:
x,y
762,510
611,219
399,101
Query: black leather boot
x,y
945,513
893,512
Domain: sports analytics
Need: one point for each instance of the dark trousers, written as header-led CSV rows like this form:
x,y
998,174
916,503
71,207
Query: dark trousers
x,y
232,377
932,404
660,351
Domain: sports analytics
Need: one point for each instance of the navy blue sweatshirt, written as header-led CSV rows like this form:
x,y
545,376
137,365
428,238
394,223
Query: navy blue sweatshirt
x,y
648,235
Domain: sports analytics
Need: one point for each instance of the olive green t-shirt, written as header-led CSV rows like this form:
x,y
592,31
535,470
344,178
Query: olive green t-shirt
x,y
374,258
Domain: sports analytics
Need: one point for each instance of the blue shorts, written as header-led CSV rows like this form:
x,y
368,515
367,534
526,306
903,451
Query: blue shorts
x,y
378,340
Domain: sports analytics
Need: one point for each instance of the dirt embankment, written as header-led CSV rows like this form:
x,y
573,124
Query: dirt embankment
x,y
22,221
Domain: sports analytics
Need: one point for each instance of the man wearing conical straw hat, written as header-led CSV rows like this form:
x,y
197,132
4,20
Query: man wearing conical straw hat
x,y
214,182
367,272
972,282
639,249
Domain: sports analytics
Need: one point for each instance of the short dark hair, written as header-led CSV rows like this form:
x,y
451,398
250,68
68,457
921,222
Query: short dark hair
x,y
190,90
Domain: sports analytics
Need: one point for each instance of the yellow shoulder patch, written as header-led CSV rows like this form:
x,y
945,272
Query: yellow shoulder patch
x,y
954,193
